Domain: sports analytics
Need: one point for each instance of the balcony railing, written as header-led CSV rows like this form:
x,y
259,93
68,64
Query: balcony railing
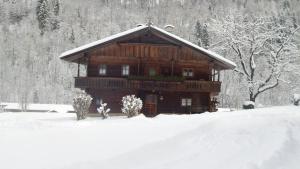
x,y
123,83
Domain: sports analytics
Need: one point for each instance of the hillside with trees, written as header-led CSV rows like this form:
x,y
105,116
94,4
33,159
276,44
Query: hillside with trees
x,y
261,36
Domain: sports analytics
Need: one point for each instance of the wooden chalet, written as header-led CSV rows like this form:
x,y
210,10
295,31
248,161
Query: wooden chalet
x,y
170,74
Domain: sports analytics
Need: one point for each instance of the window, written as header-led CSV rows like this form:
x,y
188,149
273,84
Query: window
x,y
125,70
187,72
186,102
98,102
102,70
152,72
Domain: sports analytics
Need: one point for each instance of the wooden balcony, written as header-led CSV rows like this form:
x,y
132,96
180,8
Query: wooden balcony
x,y
124,83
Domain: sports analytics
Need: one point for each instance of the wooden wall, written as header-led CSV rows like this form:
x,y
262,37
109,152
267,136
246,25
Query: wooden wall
x,y
144,56
171,102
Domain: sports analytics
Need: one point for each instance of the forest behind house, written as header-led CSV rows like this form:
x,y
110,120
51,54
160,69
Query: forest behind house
x,y
261,36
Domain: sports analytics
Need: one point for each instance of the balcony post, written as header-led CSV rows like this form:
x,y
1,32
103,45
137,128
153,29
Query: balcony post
x,y
172,69
87,64
139,66
78,69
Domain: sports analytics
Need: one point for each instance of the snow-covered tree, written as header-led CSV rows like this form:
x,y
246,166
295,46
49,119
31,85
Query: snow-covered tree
x,y
43,14
103,111
81,104
296,99
131,105
201,35
56,7
264,50
54,18
72,36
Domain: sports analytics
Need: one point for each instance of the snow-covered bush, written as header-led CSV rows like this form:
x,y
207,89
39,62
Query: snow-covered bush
x,y
296,99
103,111
81,104
248,105
131,105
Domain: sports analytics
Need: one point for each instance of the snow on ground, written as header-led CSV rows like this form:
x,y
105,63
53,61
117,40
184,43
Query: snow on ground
x,y
62,108
265,138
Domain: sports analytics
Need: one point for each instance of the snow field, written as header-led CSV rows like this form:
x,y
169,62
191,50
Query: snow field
x,y
265,138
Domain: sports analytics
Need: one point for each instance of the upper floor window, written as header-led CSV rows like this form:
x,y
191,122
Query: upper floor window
x,y
152,72
125,70
187,72
102,70
186,102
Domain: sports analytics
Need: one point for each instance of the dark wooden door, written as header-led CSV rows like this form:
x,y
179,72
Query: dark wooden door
x,y
151,105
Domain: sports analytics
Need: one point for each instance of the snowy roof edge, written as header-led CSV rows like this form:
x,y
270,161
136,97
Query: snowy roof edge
x,y
210,53
214,55
98,42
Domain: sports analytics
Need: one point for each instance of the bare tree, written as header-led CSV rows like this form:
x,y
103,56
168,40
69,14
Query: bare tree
x,y
264,50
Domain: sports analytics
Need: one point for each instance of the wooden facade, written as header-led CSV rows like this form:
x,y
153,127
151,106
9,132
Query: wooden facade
x,y
167,73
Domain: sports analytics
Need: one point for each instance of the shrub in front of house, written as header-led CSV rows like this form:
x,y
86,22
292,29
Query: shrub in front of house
x,y
81,104
248,105
103,111
296,99
131,105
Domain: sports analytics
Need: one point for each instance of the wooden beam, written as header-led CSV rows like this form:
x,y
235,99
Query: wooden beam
x,y
148,44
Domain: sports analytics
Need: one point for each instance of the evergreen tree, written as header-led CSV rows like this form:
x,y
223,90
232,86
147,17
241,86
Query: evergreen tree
x,y
201,34
54,19
72,36
35,97
43,15
56,7
198,29
205,37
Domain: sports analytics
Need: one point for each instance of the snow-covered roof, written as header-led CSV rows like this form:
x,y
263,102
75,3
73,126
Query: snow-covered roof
x,y
229,64
101,41
210,53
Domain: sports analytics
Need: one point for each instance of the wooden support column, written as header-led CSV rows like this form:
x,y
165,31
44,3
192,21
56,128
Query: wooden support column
x,y
210,73
219,72
174,57
139,66
78,69
213,75
172,67
87,65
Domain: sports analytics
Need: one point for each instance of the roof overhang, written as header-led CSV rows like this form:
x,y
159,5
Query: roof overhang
x,y
76,54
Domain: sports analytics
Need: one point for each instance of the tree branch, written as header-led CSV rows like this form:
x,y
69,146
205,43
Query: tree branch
x,y
241,60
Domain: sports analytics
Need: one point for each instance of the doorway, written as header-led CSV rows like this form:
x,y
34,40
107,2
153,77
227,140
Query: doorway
x,y
151,105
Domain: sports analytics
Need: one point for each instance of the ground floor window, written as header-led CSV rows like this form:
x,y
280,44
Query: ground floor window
x,y
186,102
98,102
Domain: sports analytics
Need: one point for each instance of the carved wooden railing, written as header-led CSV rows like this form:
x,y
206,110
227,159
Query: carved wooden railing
x,y
121,83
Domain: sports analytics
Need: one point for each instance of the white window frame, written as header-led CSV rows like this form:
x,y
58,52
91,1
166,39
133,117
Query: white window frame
x,y
186,102
187,72
125,70
102,69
